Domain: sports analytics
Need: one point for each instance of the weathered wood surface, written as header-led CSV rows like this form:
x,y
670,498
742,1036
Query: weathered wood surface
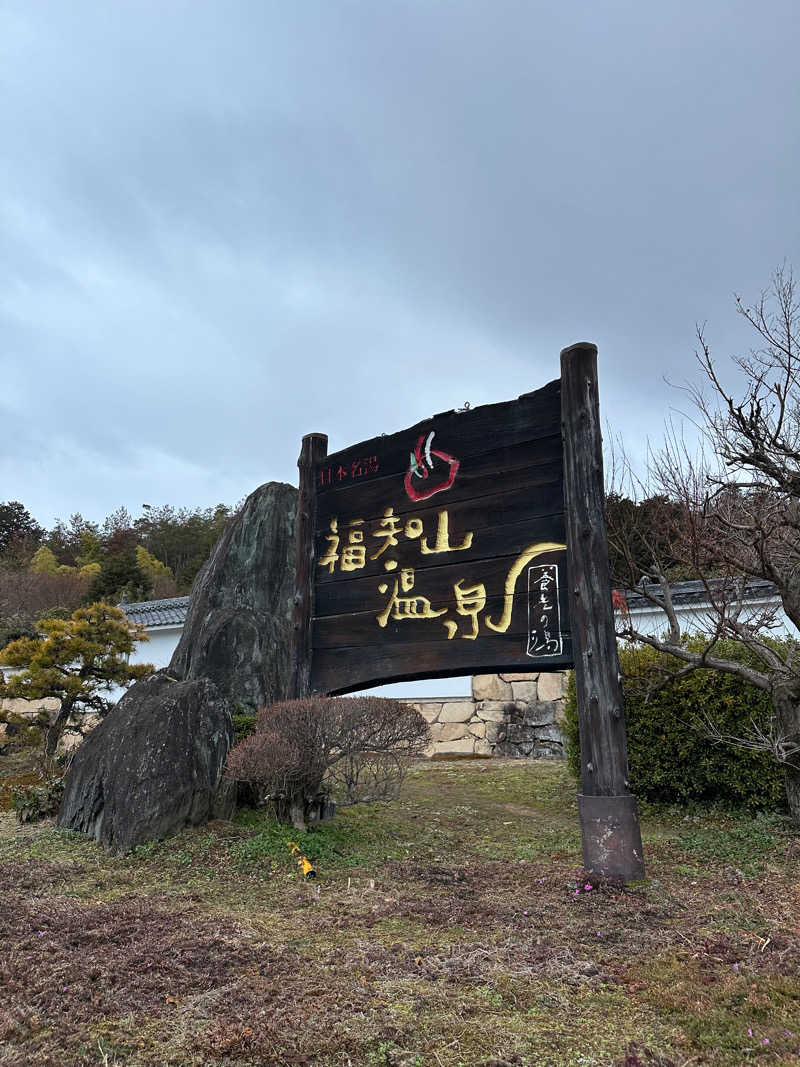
x,y
611,839
343,670
476,478
489,544
423,543
604,764
491,427
500,525
312,455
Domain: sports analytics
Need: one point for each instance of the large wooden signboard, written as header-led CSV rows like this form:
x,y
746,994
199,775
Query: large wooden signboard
x,y
440,550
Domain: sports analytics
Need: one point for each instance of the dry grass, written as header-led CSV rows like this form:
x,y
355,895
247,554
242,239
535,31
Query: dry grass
x,y
451,927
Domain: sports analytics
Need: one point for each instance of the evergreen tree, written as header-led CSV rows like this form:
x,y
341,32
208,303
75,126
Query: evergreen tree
x,y
17,524
79,661
69,540
120,578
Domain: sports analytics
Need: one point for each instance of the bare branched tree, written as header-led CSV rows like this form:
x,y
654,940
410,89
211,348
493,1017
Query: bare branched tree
x,y
352,749
729,518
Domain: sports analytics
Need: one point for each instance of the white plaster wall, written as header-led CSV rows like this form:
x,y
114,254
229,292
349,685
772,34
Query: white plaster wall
x,y
158,650
693,619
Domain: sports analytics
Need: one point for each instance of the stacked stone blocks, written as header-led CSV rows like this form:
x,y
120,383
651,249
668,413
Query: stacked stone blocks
x,y
512,715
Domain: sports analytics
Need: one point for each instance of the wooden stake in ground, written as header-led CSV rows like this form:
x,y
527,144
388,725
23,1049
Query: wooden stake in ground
x,y
610,833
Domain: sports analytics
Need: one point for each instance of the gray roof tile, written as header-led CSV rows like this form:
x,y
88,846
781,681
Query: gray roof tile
x,y
695,592
168,612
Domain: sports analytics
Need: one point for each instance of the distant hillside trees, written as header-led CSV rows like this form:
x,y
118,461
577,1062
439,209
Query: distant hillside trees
x,y
20,533
26,596
181,538
120,577
640,530
49,573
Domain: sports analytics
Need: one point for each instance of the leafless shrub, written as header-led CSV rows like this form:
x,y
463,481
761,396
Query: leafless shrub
x,y
26,596
353,749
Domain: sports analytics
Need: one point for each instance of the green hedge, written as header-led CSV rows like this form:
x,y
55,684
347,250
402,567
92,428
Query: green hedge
x,y
670,758
244,722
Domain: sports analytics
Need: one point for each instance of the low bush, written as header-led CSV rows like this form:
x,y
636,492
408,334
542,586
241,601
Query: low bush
x,y
244,723
671,757
35,802
305,753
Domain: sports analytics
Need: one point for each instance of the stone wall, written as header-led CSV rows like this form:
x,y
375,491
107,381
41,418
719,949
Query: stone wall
x,y
27,710
512,715
31,709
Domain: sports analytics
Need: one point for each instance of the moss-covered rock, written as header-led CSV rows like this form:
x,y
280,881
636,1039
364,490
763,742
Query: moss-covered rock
x,y
238,626
152,766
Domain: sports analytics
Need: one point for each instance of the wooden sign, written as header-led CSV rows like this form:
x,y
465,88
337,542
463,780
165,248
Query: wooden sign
x,y
440,550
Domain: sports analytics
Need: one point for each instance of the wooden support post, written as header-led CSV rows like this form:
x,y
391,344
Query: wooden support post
x,y
610,833
313,452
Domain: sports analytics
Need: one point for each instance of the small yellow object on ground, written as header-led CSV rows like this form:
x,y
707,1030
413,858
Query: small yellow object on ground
x,y
306,869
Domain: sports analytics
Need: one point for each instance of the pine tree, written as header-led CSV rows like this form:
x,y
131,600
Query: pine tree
x,y
79,660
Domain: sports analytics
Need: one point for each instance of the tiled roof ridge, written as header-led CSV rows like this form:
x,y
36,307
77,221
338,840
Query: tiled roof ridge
x,y
168,611
164,601
694,591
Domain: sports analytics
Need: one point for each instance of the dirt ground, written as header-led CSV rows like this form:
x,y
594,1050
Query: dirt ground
x,y
451,927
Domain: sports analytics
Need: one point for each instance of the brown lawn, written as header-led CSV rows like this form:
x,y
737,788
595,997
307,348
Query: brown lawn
x,y
451,927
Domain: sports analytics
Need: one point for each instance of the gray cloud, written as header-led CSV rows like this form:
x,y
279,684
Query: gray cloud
x,y
229,224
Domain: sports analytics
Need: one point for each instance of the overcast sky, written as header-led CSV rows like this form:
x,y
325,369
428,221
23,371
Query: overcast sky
x,y
227,224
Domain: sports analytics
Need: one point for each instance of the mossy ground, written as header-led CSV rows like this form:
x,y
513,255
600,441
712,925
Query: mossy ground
x,y
453,926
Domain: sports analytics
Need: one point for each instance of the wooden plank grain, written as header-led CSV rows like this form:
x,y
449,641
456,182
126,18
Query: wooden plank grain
x,y
337,670
492,472
312,452
364,628
488,427
360,592
611,838
604,762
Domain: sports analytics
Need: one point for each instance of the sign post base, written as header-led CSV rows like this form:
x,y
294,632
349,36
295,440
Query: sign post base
x,y
611,837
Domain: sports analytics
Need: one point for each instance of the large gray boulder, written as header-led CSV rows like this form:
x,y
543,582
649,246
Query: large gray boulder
x,y
153,765
238,626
